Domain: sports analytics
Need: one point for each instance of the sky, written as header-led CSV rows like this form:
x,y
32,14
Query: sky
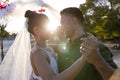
x,y
60,4
57,4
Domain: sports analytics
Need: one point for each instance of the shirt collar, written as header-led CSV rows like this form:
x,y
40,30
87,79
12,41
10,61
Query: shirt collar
x,y
76,41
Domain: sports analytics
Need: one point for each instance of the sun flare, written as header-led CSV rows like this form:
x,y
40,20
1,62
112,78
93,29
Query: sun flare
x,y
54,22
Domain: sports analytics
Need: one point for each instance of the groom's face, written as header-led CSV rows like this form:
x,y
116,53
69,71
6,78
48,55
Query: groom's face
x,y
67,25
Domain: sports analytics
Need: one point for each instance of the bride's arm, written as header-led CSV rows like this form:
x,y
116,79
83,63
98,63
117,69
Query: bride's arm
x,y
45,71
71,72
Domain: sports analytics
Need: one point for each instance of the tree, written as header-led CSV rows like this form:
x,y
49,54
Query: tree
x,y
102,17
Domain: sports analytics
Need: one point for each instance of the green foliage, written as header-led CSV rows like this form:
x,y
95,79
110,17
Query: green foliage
x,y
3,34
102,17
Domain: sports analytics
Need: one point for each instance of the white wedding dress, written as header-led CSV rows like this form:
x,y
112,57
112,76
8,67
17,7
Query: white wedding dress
x,y
53,62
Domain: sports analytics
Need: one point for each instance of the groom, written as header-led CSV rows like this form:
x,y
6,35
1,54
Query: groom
x,y
72,23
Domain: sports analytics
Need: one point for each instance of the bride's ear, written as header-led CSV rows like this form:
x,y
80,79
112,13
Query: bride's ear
x,y
35,30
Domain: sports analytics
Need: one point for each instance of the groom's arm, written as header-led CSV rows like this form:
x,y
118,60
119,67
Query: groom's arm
x,y
93,55
103,67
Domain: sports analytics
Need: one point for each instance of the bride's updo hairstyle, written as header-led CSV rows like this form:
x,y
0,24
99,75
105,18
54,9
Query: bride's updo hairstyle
x,y
35,20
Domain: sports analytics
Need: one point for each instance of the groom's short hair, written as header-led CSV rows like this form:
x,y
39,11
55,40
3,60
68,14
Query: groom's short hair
x,y
73,11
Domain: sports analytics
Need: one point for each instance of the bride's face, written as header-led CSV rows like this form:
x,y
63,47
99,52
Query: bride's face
x,y
42,32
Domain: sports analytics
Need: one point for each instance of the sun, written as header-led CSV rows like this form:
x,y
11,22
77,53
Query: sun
x,y
54,22
52,27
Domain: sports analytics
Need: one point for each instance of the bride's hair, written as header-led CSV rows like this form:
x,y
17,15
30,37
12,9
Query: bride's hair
x,y
35,19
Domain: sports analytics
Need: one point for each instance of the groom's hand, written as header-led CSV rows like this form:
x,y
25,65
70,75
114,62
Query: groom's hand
x,y
90,50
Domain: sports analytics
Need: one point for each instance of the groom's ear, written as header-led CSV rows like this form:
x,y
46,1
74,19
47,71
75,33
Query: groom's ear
x,y
74,20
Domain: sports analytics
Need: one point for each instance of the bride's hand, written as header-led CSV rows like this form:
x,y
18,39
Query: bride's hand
x,y
89,48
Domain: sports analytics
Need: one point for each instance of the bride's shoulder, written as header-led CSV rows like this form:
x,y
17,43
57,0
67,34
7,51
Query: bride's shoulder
x,y
34,49
37,52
